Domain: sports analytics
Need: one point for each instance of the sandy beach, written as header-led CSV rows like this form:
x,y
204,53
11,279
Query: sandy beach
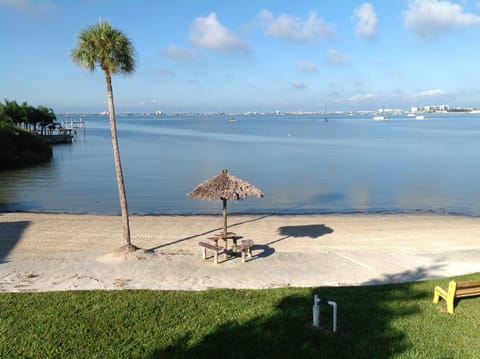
x,y
49,252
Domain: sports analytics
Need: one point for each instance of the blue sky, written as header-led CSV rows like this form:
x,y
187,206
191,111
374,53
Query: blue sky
x,y
220,55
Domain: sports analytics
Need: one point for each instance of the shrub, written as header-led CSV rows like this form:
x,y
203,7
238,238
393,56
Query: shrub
x,y
19,147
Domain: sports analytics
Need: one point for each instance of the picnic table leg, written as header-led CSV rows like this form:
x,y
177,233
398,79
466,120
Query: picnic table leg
x,y
225,248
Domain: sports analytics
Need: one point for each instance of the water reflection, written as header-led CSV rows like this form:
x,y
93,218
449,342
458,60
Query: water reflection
x,y
17,186
302,165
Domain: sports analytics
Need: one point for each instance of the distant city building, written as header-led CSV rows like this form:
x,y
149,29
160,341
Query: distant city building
x,y
437,108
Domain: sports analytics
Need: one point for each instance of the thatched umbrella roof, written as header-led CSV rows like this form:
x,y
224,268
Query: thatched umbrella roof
x,y
225,187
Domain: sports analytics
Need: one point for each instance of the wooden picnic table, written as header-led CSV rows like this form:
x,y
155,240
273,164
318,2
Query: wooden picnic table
x,y
245,247
225,237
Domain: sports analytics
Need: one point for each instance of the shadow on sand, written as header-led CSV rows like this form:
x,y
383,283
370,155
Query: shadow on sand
x,y
261,251
205,233
10,234
311,231
415,275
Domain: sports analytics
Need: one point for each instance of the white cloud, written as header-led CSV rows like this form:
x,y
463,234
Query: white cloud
x,y
428,18
208,32
265,17
361,97
28,5
306,66
429,93
335,57
177,54
367,20
298,84
294,28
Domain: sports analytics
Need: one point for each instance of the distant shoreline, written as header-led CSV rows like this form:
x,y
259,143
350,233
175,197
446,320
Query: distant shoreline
x,y
279,113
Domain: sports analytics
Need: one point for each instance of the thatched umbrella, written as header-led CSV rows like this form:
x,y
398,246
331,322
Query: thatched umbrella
x,y
224,186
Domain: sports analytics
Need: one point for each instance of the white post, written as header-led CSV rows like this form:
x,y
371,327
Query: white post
x,y
316,311
334,305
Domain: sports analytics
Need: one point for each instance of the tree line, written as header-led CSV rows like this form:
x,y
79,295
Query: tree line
x,y
26,116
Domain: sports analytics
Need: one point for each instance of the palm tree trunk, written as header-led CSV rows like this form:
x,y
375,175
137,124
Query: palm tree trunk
x,y
118,167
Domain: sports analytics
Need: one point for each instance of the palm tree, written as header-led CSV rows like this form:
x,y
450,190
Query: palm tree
x,y
13,111
111,50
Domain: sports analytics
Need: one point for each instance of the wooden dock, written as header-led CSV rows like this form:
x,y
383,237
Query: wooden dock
x,y
74,124
63,133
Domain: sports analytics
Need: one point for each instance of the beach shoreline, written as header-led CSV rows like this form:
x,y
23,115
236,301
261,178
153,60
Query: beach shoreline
x,y
49,252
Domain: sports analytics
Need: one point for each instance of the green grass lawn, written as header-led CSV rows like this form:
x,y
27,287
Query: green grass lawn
x,y
384,321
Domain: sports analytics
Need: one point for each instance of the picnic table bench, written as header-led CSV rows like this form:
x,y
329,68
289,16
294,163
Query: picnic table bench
x,y
246,248
216,250
456,290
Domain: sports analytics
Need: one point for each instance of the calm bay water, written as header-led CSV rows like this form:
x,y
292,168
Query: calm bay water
x,y
303,165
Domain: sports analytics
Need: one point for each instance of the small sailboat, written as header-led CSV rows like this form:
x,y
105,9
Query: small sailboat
x,y
380,116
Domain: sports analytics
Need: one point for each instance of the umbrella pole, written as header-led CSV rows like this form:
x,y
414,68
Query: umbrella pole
x,y
224,216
